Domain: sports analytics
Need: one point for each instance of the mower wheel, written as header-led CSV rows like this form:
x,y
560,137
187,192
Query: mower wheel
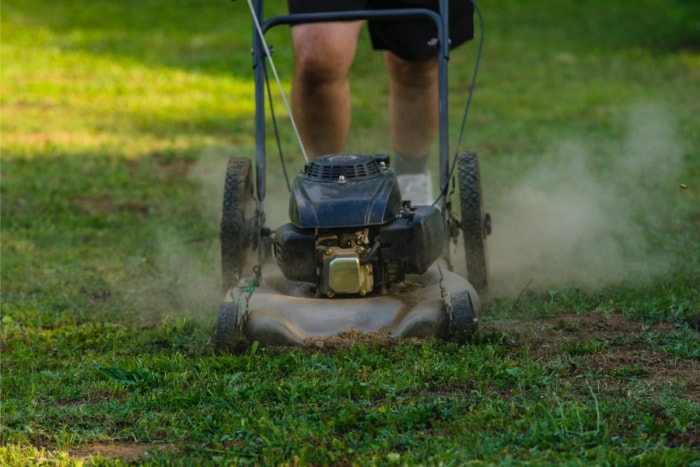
x,y
462,322
239,220
475,223
227,338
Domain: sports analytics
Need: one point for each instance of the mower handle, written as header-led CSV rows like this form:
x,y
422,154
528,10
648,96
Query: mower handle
x,y
441,22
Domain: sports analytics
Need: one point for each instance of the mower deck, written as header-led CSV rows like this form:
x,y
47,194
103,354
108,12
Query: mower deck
x,y
438,303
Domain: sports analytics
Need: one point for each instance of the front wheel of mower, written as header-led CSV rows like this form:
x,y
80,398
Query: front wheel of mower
x,y
228,337
239,220
475,223
463,324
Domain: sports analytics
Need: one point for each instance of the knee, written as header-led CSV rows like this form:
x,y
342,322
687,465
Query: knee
x,y
318,66
324,52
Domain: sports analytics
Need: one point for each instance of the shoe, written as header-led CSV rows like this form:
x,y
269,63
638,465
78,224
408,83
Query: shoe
x,y
416,188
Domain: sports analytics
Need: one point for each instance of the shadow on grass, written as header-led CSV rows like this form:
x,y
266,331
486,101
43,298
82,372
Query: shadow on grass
x,y
111,238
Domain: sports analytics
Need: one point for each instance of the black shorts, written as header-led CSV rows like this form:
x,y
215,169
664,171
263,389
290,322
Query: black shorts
x,y
411,38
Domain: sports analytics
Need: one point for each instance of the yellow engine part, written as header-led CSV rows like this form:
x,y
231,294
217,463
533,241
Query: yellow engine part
x,y
343,273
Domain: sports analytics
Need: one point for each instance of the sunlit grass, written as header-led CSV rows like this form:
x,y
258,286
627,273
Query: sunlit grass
x,y
78,102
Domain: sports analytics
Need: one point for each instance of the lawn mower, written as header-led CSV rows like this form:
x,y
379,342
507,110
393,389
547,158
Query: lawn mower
x,y
354,255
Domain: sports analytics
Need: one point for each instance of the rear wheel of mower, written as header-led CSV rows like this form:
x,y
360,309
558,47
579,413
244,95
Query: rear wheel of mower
x,y
475,223
239,220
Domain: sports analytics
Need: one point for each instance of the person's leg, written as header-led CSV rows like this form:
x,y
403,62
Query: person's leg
x,y
323,54
413,114
413,105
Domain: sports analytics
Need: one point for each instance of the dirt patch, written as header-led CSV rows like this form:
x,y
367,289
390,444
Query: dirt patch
x,y
94,206
122,450
573,326
614,348
655,369
349,338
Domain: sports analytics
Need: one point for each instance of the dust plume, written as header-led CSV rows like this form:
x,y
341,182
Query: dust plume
x,y
183,276
581,220
188,275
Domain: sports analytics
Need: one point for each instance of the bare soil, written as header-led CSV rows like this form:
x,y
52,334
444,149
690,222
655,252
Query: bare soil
x,y
128,451
350,337
610,346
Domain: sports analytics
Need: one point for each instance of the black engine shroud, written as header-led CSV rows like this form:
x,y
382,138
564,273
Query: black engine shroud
x,y
350,231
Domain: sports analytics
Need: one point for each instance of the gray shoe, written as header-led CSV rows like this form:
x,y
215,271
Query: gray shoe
x,y
416,188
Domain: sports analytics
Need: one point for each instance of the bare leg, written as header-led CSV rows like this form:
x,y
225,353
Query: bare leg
x,y
413,104
323,54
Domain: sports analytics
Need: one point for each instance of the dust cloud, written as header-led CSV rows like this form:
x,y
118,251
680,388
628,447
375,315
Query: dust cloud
x,y
187,273
579,219
197,268
182,277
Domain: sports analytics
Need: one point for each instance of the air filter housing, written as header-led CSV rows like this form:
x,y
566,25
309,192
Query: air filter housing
x,y
350,166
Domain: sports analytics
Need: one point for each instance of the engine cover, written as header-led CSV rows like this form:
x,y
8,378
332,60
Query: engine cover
x,y
413,241
345,190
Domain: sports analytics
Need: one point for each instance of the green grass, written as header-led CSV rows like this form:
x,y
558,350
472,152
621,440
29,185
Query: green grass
x,y
116,120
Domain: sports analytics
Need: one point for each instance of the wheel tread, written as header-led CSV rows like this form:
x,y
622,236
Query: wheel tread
x,y
235,227
472,225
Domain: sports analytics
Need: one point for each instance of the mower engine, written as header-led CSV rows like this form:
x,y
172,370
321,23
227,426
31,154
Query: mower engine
x,y
350,231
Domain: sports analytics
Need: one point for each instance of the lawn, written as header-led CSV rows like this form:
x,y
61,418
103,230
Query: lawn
x,y
117,121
